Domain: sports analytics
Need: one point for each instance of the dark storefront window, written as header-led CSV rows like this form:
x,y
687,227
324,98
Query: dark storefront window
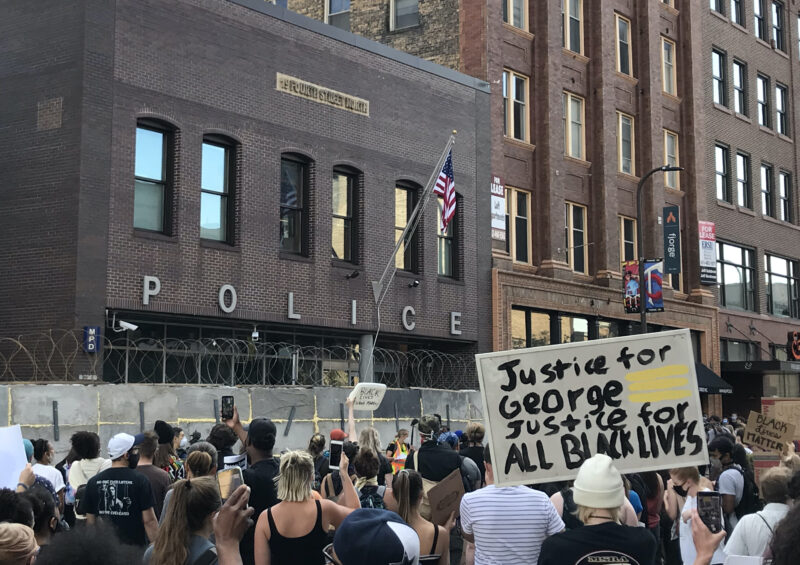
x,y
533,328
734,350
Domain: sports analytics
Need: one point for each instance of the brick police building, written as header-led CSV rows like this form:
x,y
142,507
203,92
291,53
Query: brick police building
x,y
208,171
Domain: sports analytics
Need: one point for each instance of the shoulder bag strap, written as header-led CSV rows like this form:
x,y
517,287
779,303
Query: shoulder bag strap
x,y
760,515
208,557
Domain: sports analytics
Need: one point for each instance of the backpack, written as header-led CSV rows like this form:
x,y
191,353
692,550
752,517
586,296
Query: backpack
x,y
329,485
425,505
373,498
750,502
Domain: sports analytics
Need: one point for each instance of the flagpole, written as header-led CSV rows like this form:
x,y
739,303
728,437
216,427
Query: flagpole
x,y
380,288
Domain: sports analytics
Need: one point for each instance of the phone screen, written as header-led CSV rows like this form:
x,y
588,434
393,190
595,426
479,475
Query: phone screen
x,y
709,507
229,480
227,407
336,454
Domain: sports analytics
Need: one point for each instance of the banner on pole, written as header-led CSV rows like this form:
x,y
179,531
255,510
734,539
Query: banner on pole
x,y
654,285
672,239
708,253
634,398
630,283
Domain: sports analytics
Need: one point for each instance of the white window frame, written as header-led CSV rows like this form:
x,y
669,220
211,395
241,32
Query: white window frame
x,y
673,71
566,14
509,5
570,239
621,118
781,110
567,98
393,17
719,83
622,220
508,90
740,89
672,179
512,210
617,19
328,12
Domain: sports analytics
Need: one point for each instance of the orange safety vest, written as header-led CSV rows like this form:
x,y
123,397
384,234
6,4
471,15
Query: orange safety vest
x,y
399,465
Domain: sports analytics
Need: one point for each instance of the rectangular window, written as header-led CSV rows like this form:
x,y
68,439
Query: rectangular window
x,y
625,143
446,242
721,175
518,207
215,186
717,6
740,88
760,19
719,86
574,141
529,328
668,66
737,12
405,13
515,105
735,350
782,286
763,101
668,2
514,13
743,181
624,55
339,13
627,239
735,277
784,197
767,208
671,158
777,25
572,25
781,115
343,232
575,237
294,216
405,200
150,179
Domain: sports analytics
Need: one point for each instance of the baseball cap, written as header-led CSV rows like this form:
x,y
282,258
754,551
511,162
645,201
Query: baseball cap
x,y
598,484
377,537
338,435
120,444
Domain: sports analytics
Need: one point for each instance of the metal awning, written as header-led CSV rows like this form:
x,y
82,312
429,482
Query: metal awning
x,y
709,382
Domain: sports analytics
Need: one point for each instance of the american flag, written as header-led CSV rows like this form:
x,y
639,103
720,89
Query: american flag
x,y
446,188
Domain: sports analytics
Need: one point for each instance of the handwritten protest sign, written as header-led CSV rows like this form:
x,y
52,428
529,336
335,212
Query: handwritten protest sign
x,y
767,433
633,398
445,497
12,456
367,396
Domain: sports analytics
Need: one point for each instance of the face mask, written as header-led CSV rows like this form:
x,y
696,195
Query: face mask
x,y
184,443
679,490
133,460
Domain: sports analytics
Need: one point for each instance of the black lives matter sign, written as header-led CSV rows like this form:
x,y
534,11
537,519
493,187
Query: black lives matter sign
x,y
548,409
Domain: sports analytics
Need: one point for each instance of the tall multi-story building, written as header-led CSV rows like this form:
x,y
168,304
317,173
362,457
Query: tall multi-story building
x,y
587,98
751,60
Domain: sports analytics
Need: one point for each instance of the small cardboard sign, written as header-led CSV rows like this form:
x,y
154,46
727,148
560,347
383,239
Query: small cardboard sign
x,y
367,396
445,497
769,434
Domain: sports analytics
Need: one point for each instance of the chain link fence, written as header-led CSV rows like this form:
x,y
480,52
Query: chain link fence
x,y
58,356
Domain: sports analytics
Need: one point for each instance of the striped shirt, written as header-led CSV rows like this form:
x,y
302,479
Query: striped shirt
x,y
509,523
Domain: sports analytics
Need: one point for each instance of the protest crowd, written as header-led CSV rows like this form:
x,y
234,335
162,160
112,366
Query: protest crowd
x,y
153,498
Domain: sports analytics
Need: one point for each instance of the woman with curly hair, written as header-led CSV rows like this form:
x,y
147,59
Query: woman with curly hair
x,y
86,446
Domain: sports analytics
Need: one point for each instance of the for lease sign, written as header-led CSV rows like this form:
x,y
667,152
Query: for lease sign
x,y
548,409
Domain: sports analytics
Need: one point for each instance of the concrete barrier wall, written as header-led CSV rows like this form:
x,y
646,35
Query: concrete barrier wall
x,y
109,409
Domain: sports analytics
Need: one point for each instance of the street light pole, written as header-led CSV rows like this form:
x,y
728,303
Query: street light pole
x,y
640,242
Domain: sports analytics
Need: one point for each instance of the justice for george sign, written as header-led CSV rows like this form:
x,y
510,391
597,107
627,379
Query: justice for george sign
x,y
633,398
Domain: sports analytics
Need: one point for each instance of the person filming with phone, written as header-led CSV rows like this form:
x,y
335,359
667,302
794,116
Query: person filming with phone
x,y
686,482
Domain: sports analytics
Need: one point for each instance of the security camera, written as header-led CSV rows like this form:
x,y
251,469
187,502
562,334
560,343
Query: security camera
x,y
254,335
128,326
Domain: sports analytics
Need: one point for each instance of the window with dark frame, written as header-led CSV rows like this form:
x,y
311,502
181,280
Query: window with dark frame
x,y
735,277
152,177
743,190
740,88
405,200
781,113
344,235
759,16
572,25
718,6
737,350
575,237
447,244
777,25
762,83
737,12
624,55
339,14
514,13
534,328
722,172
767,205
294,205
519,243
719,80
784,196
781,278
217,185
627,239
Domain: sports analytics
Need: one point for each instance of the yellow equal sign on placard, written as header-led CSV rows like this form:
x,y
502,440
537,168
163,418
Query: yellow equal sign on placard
x,y
653,385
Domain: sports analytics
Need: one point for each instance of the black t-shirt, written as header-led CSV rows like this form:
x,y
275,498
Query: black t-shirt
x,y
260,477
476,454
604,543
159,482
385,467
435,461
120,495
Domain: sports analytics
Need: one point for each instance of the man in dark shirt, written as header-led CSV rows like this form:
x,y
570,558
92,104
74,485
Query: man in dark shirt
x,y
259,439
122,496
159,478
435,461
599,493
